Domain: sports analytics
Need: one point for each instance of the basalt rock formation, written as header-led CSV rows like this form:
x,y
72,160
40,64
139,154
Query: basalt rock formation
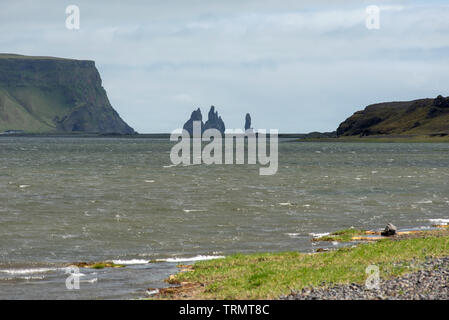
x,y
247,122
423,116
195,116
55,95
214,121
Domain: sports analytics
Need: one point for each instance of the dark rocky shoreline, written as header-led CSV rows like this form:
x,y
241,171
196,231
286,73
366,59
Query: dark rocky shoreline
x,y
431,282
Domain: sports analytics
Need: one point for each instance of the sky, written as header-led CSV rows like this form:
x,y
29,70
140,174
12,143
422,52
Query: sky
x,y
295,66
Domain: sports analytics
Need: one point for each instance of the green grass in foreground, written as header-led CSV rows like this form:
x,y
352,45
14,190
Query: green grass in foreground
x,y
269,275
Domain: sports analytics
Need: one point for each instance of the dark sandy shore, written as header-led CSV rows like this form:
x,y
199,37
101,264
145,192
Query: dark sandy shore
x,y
431,282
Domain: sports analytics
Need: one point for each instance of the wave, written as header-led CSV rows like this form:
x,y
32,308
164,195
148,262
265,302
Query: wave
x,y
130,262
440,221
424,201
28,271
24,278
191,259
319,235
293,235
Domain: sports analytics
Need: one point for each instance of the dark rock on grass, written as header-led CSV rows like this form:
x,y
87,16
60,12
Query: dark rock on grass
x,y
390,230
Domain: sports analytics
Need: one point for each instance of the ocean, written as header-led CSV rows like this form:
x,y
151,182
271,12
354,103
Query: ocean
x,y
66,200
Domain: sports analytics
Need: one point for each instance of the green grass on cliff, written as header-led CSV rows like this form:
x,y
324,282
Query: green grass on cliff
x,y
269,275
22,57
417,117
48,95
31,109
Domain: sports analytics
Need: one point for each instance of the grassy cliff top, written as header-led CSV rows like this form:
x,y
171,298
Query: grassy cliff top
x,y
22,57
417,117
54,95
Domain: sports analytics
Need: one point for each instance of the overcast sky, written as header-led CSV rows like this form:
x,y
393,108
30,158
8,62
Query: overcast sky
x,y
296,66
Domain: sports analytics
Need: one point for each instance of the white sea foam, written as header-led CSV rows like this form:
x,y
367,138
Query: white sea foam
x,y
28,271
129,262
193,210
196,258
152,292
424,201
319,235
293,235
440,221
285,204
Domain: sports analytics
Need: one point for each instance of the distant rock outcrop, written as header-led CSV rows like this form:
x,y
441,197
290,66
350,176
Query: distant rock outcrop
x,y
423,116
51,95
247,122
195,116
214,121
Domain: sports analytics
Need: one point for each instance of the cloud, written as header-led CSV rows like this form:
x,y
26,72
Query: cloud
x,y
294,65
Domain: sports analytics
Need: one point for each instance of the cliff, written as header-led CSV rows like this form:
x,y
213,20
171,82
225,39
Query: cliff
x,y
247,122
423,116
51,95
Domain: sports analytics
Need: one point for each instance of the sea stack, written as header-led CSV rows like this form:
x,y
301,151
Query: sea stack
x,y
247,122
195,116
214,121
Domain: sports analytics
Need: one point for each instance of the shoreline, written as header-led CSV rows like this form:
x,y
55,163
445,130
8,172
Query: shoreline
x,y
322,274
293,137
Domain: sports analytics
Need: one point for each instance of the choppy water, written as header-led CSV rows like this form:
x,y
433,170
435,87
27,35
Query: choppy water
x,y
65,200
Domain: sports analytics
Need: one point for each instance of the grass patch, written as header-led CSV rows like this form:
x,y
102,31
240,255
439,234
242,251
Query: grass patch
x,y
345,235
269,275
